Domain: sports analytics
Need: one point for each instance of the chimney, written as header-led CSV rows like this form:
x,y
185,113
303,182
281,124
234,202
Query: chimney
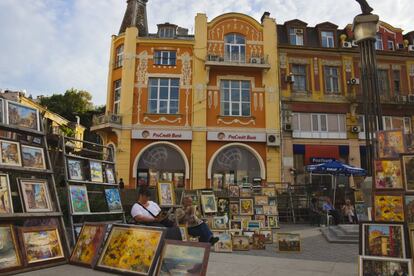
x,y
265,15
135,16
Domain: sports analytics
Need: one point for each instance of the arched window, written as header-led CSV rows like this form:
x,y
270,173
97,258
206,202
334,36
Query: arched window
x,y
111,152
235,48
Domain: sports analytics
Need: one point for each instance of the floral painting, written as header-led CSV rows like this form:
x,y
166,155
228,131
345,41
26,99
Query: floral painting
x,y
113,199
22,116
246,206
96,171
79,199
388,174
9,251
6,204
33,157
390,143
389,208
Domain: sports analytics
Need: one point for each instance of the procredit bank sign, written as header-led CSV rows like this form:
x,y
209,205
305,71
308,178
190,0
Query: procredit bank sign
x,y
162,135
236,136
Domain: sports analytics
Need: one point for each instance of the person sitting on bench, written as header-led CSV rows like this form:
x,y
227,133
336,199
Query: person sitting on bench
x,y
330,209
315,212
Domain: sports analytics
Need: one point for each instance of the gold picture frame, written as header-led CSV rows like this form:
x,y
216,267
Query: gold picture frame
x,y
166,193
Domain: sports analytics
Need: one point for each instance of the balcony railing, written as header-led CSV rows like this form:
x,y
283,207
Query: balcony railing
x,y
108,118
238,60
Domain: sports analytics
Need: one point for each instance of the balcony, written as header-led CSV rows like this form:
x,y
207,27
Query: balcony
x,y
108,120
258,62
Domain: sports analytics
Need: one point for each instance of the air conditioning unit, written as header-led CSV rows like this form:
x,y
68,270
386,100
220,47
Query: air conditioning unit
x,y
255,60
353,81
287,127
411,48
355,129
290,78
354,44
347,44
299,31
273,140
410,98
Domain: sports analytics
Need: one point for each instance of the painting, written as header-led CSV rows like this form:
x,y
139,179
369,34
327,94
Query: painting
x,y
259,241
223,205
178,180
240,243
6,203
184,258
268,233
194,196
131,249
218,181
388,208
234,208
249,234
35,195
90,239
258,210
254,225
383,240
246,206
166,194
220,222
10,153
208,202
79,199
390,143
113,199
142,178
288,242
184,232
235,224
9,250
245,221
75,169
269,191
361,211
384,266
388,174
245,192
225,243
234,191
358,196
272,221
41,244
261,218
110,175
22,116
153,178
261,200
408,168
270,210
33,157
96,171
409,208
272,201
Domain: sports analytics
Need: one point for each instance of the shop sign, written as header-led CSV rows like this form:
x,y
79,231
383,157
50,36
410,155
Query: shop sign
x,y
236,136
321,160
162,135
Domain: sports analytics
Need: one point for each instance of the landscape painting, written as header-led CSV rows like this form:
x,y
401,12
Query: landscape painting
x,y
225,242
241,243
9,251
288,242
22,116
96,171
113,199
6,203
10,153
35,194
33,157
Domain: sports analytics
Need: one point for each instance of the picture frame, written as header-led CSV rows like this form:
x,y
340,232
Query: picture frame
x,y
95,169
269,191
246,206
10,153
254,225
408,169
220,222
258,210
245,192
240,243
236,224
259,241
124,242
391,144
361,211
388,208
6,202
142,178
166,194
249,234
22,116
184,256
110,175
268,233
10,258
234,208
218,182
261,200
288,242
387,266
270,210
35,239
388,175
88,244
79,201
245,221
153,178
409,208
234,191
35,195
184,232
359,196
208,203
261,218
179,180
223,205
225,243
194,197
113,199
33,157
272,201
75,171
272,222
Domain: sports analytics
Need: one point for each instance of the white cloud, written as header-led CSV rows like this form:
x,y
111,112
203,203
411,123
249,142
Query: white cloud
x,y
49,46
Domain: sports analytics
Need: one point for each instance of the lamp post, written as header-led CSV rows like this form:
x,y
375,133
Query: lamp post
x,y
365,28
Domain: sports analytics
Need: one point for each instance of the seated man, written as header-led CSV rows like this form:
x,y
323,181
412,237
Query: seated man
x,y
314,212
330,209
196,227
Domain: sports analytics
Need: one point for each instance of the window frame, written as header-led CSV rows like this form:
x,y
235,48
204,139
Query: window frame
x,y
241,55
158,99
167,32
159,60
392,48
293,34
326,38
300,75
396,82
379,44
230,102
384,91
330,77
116,108
322,129
119,56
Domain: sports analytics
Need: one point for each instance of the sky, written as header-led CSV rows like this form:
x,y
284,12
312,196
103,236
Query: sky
x,y
49,46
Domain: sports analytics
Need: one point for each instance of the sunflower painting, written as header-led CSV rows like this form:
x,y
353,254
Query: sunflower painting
x,y
389,208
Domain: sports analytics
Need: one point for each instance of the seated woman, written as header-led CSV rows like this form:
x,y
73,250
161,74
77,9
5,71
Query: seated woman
x,y
195,226
349,211
147,212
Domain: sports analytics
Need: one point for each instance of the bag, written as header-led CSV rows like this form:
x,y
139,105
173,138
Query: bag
x,y
165,222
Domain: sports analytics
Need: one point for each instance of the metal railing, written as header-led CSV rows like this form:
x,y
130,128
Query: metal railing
x,y
238,59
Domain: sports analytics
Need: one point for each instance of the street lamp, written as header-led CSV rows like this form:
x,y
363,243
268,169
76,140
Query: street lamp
x,y
365,29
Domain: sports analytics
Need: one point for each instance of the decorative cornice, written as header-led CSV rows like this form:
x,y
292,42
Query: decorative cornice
x,y
162,119
236,121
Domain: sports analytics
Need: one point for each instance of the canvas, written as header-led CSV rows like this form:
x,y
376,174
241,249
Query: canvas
x,y
22,116
234,208
390,143
184,232
269,191
268,235
272,222
383,240
245,221
41,244
208,202
254,225
166,194
270,210
409,208
10,153
113,199
131,249
234,191
388,174
261,218
235,224
221,223
261,200
79,199
87,247
33,157
225,243
153,178
184,258
408,168
96,171
258,210
246,206
75,169
223,205
9,252
272,201
384,266
217,182
179,180
6,203
288,242
110,177
240,243
35,195
389,208
259,241
361,211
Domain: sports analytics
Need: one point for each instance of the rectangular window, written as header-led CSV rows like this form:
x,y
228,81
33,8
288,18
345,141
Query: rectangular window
x,y
119,56
235,98
299,72
296,36
383,82
117,96
391,123
390,44
397,82
378,42
163,95
315,125
167,32
328,40
165,58
332,80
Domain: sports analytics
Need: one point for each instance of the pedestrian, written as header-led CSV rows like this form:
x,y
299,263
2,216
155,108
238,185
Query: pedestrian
x,y
121,183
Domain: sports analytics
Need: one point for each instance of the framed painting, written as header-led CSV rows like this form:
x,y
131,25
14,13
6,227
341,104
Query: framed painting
x,y
95,169
179,180
388,174
184,232
153,178
268,233
223,205
33,157
240,243
254,225
408,168
10,153
259,241
269,191
246,206
384,266
166,194
234,208
167,176
273,201
261,200
388,208
41,244
110,175
183,258
409,208
272,222
288,242
390,143
142,178
90,239
218,180
261,218
6,203
236,224
361,211
22,116
9,253
79,199
258,210
131,250
270,210
358,196
194,197
35,195
245,192
225,243
234,191
383,240
208,203
113,199
250,235
220,223
75,169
